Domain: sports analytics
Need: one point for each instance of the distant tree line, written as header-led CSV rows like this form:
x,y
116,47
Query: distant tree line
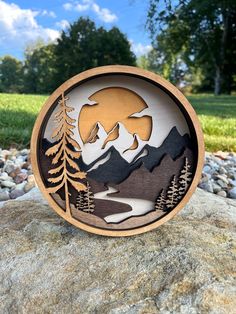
x,y
80,47
194,42
194,47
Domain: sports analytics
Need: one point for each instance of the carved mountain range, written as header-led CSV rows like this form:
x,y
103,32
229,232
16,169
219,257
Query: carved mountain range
x,y
148,184
98,132
116,169
143,180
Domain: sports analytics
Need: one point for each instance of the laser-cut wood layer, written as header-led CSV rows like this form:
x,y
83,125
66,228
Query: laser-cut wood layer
x,y
143,218
112,105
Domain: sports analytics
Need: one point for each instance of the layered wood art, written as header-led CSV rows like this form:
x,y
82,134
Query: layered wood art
x,y
117,150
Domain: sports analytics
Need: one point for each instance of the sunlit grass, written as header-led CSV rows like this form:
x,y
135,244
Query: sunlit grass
x,y
17,117
217,115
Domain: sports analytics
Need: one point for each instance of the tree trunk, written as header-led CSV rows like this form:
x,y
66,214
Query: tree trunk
x,y
67,198
217,89
221,67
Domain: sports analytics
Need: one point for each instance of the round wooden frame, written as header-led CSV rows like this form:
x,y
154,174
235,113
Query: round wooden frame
x,y
118,69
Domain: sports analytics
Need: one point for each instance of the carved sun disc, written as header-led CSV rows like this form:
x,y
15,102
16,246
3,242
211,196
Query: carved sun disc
x,y
117,150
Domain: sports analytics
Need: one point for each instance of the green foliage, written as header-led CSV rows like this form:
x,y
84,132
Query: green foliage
x,y
170,67
39,70
202,34
83,46
10,74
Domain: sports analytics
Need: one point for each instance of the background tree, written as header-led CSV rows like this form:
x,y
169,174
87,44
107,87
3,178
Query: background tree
x,y
10,75
201,33
80,47
63,155
83,46
39,69
113,48
166,64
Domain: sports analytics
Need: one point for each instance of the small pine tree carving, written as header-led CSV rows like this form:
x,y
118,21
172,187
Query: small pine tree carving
x,y
185,177
160,201
172,194
88,197
63,155
80,201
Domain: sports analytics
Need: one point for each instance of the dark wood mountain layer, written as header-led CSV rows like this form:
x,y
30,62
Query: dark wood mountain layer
x,y
147,185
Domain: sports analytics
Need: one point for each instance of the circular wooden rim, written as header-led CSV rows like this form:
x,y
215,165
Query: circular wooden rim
x,y
118,69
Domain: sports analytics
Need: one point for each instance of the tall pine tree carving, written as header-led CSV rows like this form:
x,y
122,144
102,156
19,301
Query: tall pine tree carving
x,y
172,194
160,201
185,177
63,155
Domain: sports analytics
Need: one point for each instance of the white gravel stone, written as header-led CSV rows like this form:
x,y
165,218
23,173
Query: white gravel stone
x,y
24,152
232,182
20,186
223,178
4,196
16,193
216,188
207,186
207,169
4,176
29,186
8,184
9,166
222,184
222,193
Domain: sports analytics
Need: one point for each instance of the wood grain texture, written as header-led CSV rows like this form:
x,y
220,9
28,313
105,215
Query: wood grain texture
x,y
145,184
111,105
154,79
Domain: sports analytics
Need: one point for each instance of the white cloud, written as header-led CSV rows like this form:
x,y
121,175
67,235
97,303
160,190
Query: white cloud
x,y
48,13
139,49
63,24
67,6
103,14
81,7
19,26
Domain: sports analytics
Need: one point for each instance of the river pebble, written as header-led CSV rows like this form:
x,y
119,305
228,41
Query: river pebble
x,y
16,176
219,174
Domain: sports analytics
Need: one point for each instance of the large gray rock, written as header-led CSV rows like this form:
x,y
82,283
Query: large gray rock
x,y
187,265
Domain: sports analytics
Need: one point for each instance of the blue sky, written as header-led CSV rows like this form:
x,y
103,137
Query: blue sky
x,y
22,21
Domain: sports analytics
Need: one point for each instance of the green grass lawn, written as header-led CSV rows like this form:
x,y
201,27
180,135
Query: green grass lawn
x,y
217,116
17,117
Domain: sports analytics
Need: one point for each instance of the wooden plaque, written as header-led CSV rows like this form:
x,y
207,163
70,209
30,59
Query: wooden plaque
x,y
117,150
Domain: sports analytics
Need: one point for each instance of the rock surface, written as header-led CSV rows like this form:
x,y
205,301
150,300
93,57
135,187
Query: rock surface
x,y
188,265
